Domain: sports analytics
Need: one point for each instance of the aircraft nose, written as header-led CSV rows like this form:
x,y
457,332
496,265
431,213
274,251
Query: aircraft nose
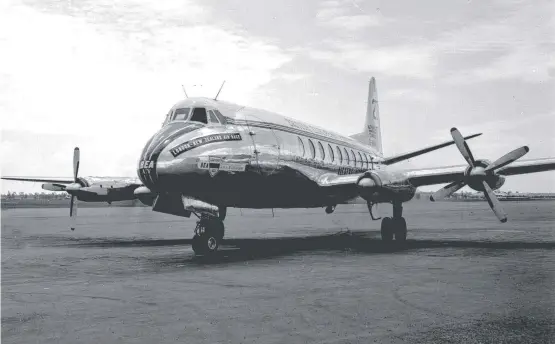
x,y
147,169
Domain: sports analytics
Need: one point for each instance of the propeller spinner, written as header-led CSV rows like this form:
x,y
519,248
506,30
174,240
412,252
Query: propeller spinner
x,y
478,175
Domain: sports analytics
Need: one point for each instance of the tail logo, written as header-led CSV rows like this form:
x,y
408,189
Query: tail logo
x,y
372,133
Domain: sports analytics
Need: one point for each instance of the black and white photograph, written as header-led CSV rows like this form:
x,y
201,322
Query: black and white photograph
x,y
315,171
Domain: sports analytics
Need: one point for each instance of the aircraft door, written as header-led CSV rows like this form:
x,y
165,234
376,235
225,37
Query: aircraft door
x,y
266,144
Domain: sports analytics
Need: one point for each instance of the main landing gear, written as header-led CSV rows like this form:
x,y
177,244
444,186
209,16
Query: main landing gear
x,y
395,226
209,234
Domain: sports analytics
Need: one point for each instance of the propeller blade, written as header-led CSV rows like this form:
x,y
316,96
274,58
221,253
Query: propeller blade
x,y
76,159
462,146
494,203
507,158
73,212
446,191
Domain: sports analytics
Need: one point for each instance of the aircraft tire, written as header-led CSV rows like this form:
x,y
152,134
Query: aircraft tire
x,y
400,229
387,229
206,244
209,239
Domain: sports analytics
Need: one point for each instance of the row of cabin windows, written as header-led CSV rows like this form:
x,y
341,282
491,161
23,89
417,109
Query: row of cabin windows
x,y
339,155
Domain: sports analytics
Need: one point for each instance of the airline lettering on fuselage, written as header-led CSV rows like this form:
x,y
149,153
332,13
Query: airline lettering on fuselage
x,y
348,170
146,164
201,141
216,164
340,170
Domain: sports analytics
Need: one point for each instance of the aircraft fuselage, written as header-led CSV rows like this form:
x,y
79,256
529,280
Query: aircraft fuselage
x,y
256,159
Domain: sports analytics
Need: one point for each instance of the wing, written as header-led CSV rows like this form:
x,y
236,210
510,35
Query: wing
x,y
528,166
91,180
406,156
40,180
441,175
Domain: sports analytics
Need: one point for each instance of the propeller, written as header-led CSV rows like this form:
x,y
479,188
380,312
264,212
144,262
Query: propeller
x,y
74,187
478,174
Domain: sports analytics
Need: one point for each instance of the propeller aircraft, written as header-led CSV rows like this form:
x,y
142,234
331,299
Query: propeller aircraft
x,y
210,155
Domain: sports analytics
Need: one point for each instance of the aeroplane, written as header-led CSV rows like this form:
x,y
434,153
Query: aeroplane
x,y
210,155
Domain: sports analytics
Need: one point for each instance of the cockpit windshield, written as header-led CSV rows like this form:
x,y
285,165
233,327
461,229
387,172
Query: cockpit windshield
x,y
199,114
181,114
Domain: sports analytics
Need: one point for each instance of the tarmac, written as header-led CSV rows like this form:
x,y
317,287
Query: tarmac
x,y
291,276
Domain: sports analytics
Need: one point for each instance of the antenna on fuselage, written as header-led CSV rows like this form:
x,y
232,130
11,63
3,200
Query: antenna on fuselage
x,y
183,87
216,97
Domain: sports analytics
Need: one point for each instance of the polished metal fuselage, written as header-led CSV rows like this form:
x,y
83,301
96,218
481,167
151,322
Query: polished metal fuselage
x,y
255,160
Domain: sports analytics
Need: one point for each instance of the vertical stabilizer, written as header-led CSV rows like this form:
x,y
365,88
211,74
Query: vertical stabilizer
x,y
371,134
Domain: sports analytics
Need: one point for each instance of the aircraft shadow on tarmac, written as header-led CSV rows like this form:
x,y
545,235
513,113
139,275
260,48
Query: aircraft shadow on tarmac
x,y
261,248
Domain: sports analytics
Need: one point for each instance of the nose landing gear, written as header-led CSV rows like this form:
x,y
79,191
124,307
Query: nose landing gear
x,y
209,234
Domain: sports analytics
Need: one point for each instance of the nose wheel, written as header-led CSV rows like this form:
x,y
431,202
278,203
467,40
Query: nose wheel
x,y
209,234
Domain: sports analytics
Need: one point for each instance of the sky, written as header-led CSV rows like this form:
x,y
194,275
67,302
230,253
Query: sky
x,y
102,74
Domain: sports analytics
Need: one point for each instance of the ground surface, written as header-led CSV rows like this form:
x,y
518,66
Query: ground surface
x,y
129,275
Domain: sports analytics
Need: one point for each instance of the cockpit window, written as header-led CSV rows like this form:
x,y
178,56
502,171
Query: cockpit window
x,y
181,114
213,118
220,116
199,115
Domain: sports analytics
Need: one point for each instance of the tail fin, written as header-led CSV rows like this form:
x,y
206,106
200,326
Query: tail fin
x,y
372,134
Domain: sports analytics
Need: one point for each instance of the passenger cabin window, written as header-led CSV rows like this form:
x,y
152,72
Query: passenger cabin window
x,y
181,114
301,145
199,115
339,156
312,149
213,117
322,151
346,156
332,157
366,160
370,162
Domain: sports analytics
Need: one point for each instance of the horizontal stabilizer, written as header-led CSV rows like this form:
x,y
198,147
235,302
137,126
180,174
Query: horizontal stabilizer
x,y
406,156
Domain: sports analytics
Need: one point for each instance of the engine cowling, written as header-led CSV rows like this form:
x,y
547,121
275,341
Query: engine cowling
x,y
385,186
53,187
475,175
144,195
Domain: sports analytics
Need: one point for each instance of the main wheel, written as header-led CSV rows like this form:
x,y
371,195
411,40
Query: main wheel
x,y
400,230
387,229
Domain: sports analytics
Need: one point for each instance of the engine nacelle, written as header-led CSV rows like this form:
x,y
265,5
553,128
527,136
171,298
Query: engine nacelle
x,y
53,187
144,195
385,186
475,176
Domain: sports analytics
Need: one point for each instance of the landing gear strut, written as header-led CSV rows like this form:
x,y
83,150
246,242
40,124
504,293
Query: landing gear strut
x,y
395,226
209,234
